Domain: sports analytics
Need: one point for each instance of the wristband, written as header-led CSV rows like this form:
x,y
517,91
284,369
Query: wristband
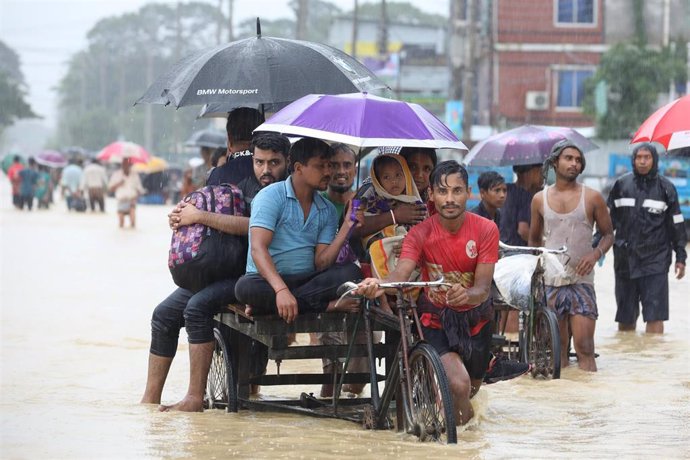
x,y
600,251
281,289
393,216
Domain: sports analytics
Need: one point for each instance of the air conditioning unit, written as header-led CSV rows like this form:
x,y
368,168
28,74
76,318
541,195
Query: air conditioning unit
x,y
537,100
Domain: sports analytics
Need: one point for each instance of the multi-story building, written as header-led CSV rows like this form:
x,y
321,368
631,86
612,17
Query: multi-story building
x,y
544,50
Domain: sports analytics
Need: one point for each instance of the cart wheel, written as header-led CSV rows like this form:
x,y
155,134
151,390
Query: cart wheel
x,y
545,346
431,415
221,387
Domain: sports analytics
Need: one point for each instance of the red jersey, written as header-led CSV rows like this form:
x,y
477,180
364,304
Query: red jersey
x,y
454,255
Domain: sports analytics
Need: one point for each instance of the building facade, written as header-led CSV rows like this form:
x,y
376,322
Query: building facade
x,y
544,50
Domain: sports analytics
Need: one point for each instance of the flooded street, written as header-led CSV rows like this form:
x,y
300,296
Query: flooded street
x,y
76,295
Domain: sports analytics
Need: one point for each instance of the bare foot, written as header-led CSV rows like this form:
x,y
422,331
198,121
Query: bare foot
x,y
345,305
188,404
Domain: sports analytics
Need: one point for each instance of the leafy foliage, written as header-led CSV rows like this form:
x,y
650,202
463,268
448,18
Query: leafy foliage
x,y
634,76
403,12
13,106
124,55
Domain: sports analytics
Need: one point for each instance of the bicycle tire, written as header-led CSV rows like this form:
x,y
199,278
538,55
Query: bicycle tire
x,y
221,386
430,389
545,345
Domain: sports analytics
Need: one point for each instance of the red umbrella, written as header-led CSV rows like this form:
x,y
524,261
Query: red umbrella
x,y
669,126
116,151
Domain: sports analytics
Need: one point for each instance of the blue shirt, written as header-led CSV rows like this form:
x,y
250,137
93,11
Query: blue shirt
x,y
516,209
276,208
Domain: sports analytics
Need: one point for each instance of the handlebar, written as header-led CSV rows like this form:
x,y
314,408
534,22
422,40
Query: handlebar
x,y
347,288
561,250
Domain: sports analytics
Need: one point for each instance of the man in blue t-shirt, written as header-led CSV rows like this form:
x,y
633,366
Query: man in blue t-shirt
x,y
293,243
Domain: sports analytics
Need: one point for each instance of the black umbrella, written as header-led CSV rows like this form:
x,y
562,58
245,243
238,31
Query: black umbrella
x,y
260,70
207,138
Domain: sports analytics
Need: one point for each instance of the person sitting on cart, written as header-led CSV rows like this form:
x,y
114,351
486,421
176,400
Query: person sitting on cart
x,y
421,162
195,311
462,248
294,241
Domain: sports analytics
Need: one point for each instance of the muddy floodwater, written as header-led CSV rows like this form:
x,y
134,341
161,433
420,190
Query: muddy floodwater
x,y
76,296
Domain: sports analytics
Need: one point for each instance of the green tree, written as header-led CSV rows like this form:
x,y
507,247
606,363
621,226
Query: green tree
x,y
403,12
634,76
13,105
124,54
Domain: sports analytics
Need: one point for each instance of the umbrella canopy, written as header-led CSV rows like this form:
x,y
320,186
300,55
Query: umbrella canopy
x,y
669,126
211,138
528,144
260,70
8,159
363,120
51,158
115,152
155,164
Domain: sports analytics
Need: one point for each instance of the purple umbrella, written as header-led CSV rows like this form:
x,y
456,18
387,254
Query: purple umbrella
x,y
528,144
51,158
363,120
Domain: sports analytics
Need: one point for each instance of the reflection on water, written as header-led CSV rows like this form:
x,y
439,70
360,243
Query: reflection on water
x,y
76,298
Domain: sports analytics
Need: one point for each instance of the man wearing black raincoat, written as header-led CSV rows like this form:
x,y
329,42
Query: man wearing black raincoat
x,y
648,227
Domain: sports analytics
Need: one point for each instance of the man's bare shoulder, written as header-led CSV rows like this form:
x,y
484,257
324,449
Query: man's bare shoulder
x,y
593,195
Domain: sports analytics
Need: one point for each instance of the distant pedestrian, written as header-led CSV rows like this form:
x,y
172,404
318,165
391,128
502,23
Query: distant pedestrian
x,y
27,187
44,188
648,226
94,183
127,187
71,181
13,175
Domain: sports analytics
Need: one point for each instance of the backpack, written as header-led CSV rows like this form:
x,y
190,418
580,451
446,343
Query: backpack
x,y
200,255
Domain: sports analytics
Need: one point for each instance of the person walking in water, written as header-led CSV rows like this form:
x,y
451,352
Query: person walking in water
x,y
564,215
127,187
649,226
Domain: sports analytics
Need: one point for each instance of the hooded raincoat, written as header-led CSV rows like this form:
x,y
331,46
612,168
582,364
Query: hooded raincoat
x,y
647,222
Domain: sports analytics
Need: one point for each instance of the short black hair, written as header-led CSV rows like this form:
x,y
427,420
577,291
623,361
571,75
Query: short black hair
x,y
489,179
307,148
17,158
407,152
345,148
217,154
381,161
242,121
445,169
520,169
32,161
271,141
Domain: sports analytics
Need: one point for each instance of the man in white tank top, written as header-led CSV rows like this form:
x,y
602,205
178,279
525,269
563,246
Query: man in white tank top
x,y
565,214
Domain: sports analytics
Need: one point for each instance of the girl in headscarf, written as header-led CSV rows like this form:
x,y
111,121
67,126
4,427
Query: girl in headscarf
x,y
391,184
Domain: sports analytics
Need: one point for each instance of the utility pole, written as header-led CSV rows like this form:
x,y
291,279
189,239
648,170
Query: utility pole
x,y
383,31
468,74
455,53
355,27
302,17
219,26
231,31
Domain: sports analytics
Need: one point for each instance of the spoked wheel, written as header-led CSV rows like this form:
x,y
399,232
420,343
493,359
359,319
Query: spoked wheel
x,y
221,387
545,345
429,410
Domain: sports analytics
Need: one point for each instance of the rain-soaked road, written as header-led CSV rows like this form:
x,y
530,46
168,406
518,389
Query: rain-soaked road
x,y
76,296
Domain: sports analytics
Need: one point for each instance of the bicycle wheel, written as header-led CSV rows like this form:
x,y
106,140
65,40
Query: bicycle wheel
x,y
429,412
221,387
545,345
